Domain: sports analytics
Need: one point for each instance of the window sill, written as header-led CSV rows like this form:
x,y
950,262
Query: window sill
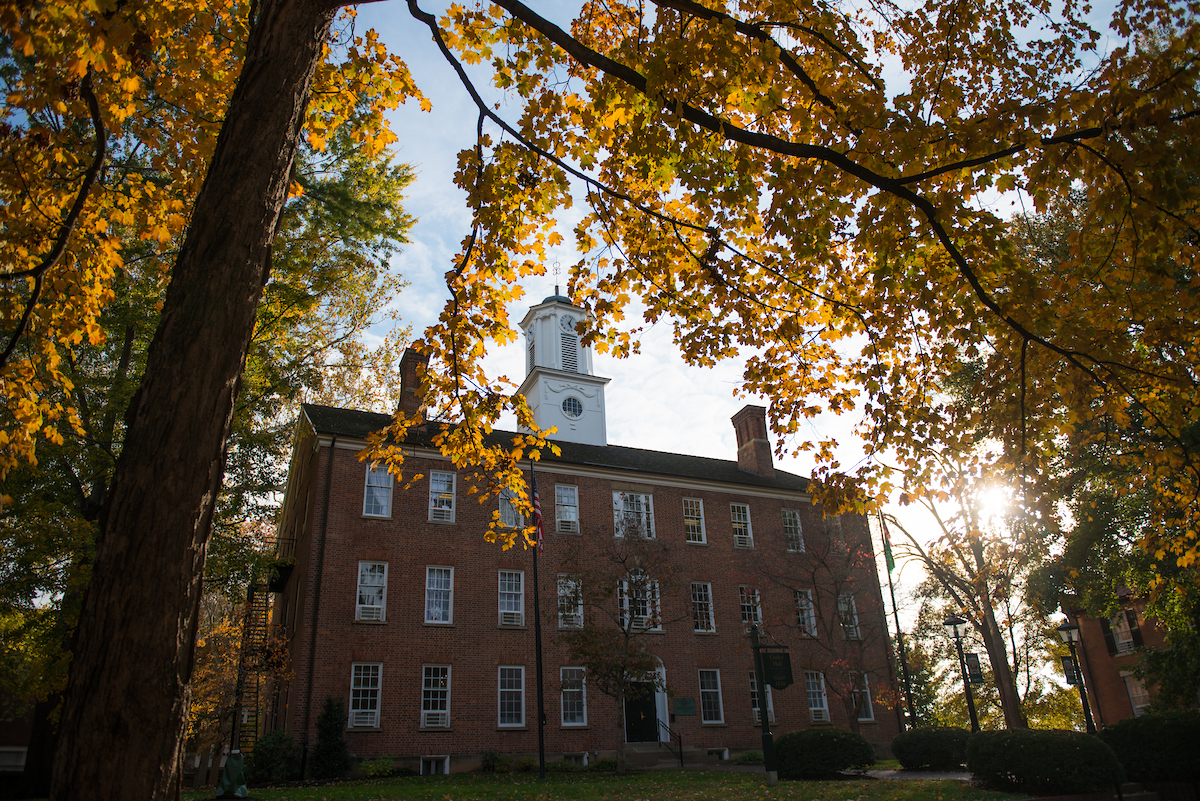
x,y
720,725
696,542
573,726
363,728
436,625
358,622
743,547
376,517
705,633
442,522
435,728
522,627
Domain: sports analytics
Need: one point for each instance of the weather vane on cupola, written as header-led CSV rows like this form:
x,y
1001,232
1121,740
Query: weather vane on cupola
x,y
557,269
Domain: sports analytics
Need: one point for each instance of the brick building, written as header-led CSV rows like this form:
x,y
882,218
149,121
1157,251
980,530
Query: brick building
x,y
1108,654
397,605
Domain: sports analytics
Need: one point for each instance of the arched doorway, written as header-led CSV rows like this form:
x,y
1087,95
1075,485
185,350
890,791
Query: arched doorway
x,y
644,708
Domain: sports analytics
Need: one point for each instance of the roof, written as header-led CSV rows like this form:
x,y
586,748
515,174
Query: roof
x,y
358,424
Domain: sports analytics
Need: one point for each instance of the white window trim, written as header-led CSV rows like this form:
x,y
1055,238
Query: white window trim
x,y
562,698
703,531
442,514
848,611
770,701
742,540
375,471
817,714
810,610
572,526
510,617
445,724
756,602
869,707
705,588
359,606
619,511
720,701
351,722
499,697
515,519
565,581
799,531
450,611
442,759
653,604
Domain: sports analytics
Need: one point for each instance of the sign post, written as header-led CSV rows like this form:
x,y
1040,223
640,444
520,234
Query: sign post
x,y
774,669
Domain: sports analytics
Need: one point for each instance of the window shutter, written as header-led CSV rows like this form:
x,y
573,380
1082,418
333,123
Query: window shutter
x,y
1109,640
1134,629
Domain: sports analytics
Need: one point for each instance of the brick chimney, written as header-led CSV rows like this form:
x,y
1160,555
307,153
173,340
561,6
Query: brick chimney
x,y
754,449
412,391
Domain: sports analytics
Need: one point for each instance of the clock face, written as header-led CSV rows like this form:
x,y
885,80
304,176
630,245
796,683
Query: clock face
x,y
567,323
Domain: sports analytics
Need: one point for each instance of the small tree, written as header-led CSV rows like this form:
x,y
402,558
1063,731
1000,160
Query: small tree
x,y
619,592
331,757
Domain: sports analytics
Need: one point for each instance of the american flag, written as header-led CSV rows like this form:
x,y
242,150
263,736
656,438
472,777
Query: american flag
x,y
537,509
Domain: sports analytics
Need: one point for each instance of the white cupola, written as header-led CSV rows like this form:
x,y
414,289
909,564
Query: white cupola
x,y
559,384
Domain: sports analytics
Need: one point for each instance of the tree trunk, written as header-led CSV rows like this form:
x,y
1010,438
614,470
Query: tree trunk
x,y
993,643
124,714
621,732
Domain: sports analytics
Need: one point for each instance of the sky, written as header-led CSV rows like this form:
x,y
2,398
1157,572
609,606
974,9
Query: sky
x,y
654,400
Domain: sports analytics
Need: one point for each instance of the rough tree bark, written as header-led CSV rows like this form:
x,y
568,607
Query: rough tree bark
x,y
125,710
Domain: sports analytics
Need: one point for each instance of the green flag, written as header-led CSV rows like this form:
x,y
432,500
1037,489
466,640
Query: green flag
x,y
887,547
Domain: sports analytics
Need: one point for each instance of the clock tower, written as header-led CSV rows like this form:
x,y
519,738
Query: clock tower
x,y
559,384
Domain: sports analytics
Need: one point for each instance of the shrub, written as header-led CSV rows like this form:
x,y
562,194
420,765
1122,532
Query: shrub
x,y
276,758
934,747
490,762
821,753
1047,762
331,756
1163,747
525,764
563,766
603,765
377,768
750,757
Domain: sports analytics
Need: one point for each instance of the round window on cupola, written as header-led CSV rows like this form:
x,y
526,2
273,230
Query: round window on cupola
x,y
572,408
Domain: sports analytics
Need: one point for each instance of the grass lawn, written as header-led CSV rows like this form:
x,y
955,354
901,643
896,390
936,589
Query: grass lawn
x,y
638,786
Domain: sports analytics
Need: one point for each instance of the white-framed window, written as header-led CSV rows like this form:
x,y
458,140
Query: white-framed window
x,y
365,685
372,591
435,696
793,533
633,514
574,696
441,496
750,605
638,603
1139,696
754,700
702,607
806,613
511,695
509,516
377,499
693,520
818,704
711,710
439,594
566,508
848,616
1122,633
570,602
512,597
739,514
861,695
833,530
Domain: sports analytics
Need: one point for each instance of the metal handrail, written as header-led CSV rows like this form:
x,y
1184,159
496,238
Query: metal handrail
x,y
672,736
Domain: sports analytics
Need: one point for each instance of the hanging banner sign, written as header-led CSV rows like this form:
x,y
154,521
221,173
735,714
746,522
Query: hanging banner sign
x,y
777,669
974,672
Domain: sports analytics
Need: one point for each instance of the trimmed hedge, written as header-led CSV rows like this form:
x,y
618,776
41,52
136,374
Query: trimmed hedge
x,y
821,753
932,747
1163,747
1045,762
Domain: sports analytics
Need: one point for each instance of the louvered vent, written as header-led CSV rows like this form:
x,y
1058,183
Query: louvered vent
x,y
570,353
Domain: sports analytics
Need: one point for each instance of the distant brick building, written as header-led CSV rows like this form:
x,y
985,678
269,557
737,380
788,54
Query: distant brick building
x,y
1108,655
397,605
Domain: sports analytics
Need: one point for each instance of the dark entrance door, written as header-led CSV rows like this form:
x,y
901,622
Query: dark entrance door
x,y
641,721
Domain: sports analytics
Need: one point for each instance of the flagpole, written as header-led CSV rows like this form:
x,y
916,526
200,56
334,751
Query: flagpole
x,y
537,629
891,563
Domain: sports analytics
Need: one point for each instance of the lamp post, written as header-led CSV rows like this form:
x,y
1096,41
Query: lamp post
x,y
957,628
1069,633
